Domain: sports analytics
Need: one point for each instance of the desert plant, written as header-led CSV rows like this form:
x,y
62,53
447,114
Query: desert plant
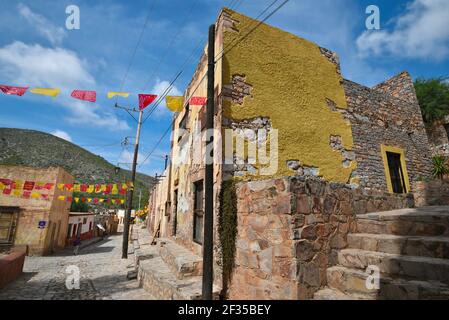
x,y
440,168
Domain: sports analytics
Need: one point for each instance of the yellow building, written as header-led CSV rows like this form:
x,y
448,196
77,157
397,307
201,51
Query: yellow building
x,y
296,145
31,214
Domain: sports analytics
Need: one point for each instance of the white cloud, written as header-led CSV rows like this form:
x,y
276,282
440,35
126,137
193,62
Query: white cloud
x,y
62,134
40,66
159,89
126,158
43,26
34,65
422,32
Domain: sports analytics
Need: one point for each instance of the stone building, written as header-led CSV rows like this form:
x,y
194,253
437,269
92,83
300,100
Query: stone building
x,y
82,225
33,216
301,153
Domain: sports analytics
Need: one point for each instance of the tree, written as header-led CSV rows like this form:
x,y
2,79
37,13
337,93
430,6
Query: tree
x,y
433,97
78,206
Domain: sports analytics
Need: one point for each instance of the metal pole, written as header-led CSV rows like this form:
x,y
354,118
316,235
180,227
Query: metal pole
x,y
140,197
208,241
130,192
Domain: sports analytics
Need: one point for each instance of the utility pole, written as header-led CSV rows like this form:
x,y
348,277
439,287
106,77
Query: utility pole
x,y
131,191
208,236
140,197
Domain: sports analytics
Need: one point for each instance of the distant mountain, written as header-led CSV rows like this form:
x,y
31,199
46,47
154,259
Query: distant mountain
x,y
39,149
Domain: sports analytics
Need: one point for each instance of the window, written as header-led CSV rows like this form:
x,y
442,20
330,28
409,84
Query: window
x,y
90,225
175,212
198,214
395,170
69,230
8,224
183,123
84,220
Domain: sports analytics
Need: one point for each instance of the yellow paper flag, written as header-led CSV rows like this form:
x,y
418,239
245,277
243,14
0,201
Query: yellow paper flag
x,y
89,199
35,195
62,198
174,103
77,199
46,91
112,94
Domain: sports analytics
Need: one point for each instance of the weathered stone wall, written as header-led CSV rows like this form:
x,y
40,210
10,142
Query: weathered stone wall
x,y
400,86
290,230
432,193
438,137
378,118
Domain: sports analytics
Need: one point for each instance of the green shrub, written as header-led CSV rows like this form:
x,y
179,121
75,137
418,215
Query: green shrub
x,y
227,230
440,168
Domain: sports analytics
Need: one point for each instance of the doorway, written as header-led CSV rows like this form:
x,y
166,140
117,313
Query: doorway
x,y
198,212
395,170
175,212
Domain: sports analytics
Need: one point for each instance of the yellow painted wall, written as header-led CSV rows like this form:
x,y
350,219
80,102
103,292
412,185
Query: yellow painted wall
x,y
291,80
54,212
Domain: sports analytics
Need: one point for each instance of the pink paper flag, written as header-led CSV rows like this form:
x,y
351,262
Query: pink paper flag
x,y
197,101
84,95
18,91
145,100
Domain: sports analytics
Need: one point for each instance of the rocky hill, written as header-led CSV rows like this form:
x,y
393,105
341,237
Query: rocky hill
x,y
39,149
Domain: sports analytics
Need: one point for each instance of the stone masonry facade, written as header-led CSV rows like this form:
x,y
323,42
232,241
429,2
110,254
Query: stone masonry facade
x,y
290,230
378,117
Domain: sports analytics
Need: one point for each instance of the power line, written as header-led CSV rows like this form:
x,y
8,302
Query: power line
x,y
170,44
137,45
223,52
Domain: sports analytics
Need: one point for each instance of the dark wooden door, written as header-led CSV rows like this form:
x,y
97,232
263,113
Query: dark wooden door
x,y
396,172
198,215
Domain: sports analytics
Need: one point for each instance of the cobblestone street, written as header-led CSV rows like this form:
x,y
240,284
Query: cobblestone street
x,y
102,275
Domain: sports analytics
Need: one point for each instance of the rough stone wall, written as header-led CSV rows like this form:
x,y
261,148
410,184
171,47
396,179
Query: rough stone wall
x,y
432,193
378,118
290,230
400,86
438,137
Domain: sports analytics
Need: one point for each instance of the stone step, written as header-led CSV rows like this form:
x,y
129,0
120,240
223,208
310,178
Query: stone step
x,y
156,278
434,247
425,221
334,294
352,283
396,265
182,262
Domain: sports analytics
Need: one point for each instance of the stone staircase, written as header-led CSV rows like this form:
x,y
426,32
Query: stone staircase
x,y
409,246
168,271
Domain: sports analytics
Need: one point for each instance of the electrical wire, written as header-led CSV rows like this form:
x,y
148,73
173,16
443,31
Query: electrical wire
x,y
223,52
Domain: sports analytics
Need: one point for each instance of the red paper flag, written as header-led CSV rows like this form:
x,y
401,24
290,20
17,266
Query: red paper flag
x,y
18,91
145,100
28,185
95,200
83,187
197,101
84,95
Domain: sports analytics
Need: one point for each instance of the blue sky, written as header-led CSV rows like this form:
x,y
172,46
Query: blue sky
x,y
37,50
